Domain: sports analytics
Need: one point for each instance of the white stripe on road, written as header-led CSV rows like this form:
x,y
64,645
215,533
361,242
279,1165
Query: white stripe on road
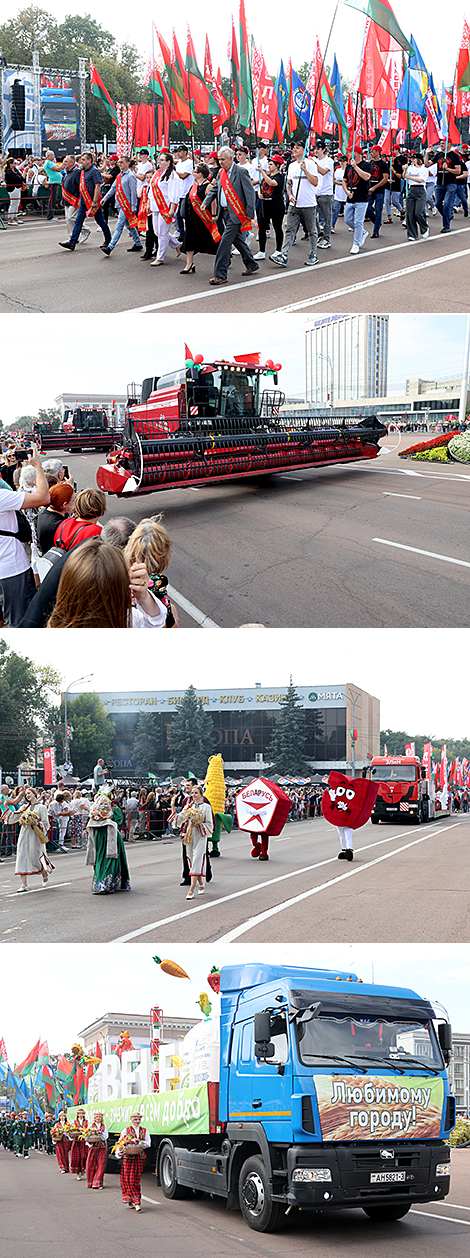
x,y
379,279
200,617
306,895
151,1200
260,886
284,274
446,1217
387,493
51,886
431,554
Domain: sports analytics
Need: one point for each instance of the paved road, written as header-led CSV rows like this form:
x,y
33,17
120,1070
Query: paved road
x,y
36,276
370,545
406,883
50,1214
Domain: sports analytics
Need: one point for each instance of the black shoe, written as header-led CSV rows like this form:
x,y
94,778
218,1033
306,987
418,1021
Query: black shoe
x,y
445,231
349,854
342,855
186,882
191,270
105,249
135,249
65,244
375,236
146,257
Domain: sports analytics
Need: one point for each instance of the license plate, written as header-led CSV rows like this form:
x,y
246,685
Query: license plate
x,y
387,1177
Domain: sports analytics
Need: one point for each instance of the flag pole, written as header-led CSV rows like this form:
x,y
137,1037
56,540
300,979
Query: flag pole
x,y
317,88
155,113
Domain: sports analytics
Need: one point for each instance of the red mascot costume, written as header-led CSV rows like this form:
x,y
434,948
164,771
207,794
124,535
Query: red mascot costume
x,y
347,804
262,809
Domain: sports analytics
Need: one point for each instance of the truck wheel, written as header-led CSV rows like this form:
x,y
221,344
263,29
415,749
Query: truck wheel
x,y
261,1214
375,821
167,1174
386,1214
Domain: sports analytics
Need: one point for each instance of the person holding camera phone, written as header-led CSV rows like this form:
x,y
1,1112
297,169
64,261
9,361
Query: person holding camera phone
x,y
16,575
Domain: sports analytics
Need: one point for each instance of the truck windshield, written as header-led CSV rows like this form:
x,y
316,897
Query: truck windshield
x,y
240,392
89,419
380,1039
60,113
393,772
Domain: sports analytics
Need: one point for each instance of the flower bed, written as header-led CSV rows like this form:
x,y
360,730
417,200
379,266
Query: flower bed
x,y
442,440
459,447
437,455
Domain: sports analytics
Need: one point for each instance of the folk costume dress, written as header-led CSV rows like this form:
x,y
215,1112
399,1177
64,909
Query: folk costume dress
x,y
196,836
96,1155
132,1165
32,839
61,1146
105,850
78,1151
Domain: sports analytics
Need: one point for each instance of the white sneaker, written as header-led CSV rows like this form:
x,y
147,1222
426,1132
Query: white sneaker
x,y
53,220
258,257
355,249
434,210
235,252
425,235
364,238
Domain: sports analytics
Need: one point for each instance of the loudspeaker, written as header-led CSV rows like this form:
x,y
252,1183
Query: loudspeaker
x,y
18,105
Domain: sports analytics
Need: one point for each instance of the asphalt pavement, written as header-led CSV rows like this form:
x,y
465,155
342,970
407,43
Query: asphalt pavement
x,y
49,1215
380,543
390,274
406,883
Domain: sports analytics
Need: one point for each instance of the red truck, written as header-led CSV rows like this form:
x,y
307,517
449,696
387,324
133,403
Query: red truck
x,y
210,422
405,792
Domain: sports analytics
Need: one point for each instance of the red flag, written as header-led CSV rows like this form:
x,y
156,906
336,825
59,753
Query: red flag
x,y
188,354
3,1050
235,66
50,777
462,98
98,1052
25,1066
291,114
264,97
254,358
198,89
79,1081
373,80
432,125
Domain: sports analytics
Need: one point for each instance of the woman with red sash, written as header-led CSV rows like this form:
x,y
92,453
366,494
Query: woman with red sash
x,y
132,1164
202,234
78,1152
163,200
96,1152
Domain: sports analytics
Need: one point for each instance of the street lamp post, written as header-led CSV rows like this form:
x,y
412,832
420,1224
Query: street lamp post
x,y
355,699
66,736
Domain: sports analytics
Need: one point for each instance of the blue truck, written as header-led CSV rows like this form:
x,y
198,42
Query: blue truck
x,y
60,117
332,1094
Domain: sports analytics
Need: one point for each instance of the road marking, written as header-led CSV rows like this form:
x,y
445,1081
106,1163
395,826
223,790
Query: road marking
x,y
379,279
34,890
431,554
152,1202
387,493
277,276
260,886
454,1206
286,477
446,1217
306,895
201,619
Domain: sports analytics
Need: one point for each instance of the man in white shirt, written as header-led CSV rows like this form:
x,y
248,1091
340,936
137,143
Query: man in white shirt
x,y
302,180
325,166
16,575
143,166
185,178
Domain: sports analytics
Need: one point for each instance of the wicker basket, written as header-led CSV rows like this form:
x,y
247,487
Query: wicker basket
x,y
130,1150
94,1137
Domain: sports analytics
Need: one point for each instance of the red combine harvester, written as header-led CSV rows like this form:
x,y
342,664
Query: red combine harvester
x,y
83,428
212,422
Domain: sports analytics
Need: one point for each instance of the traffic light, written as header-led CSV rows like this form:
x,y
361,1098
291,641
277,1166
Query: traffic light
x,y
18,105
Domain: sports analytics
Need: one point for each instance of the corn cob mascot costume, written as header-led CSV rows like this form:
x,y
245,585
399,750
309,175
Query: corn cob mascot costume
x,y
214,790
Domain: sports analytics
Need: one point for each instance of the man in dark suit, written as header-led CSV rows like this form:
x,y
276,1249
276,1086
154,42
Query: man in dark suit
x,y
235,198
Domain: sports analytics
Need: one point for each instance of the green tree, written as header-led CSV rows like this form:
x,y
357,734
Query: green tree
x,y
23,695
286,749
31,29
81,31
93,733
147,741
192,735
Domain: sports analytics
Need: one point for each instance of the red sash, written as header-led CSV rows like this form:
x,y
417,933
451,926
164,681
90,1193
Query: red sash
x,y
124,203
143,209
71,200
203,213
163,208
85,195
234,201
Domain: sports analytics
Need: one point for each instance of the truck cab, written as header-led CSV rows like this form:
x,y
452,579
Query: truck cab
x,y
405,792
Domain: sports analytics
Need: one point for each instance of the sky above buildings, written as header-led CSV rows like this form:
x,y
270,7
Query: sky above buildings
x,y
89,354
420,677
83,982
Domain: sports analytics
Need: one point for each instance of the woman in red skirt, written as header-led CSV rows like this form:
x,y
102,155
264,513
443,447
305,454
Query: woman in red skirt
x,y
132,1164
61,1143
78,1152
97,1152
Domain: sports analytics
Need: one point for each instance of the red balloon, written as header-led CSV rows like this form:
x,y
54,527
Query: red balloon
x,y
269,362
278,366
199,358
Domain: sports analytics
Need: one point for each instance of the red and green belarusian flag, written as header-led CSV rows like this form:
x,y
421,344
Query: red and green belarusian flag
x,y
234,66
200,92
246,91
98,89
381,12
178,87
3,1050
25,1067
